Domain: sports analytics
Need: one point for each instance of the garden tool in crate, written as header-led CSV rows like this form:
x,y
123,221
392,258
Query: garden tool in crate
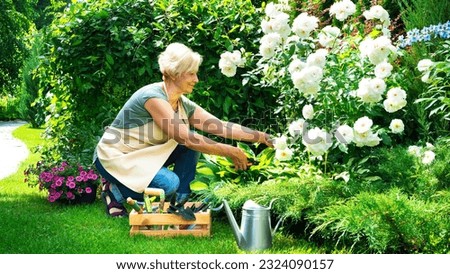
x,y
150,195
177,208
256,231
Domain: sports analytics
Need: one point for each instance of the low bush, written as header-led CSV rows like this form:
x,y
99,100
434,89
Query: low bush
x,y
9,108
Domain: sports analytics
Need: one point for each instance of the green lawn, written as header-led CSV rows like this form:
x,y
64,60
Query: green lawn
x,y
30,225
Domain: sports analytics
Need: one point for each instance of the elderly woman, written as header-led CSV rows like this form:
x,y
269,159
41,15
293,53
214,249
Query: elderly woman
x,y
152,131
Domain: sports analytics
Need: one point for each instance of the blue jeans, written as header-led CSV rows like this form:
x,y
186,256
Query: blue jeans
x,y
185,163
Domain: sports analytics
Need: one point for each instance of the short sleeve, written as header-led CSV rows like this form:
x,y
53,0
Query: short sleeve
x,y
152,91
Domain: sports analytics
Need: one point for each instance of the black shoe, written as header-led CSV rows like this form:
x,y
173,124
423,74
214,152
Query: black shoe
x,y
113,208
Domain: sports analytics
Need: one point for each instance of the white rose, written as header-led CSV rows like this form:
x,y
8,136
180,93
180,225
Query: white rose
x,y
271,10
312,73
296,127
344,134
378,55
378,85
296,66
225,62
377,12
350,7
283,154
317,58
363,124
428,157
229,71
308,112
391,105
304,24
429,146
367,138
328,36
396,94
310,89
365,47
383,70
414,150
379,50
317,141
371,90
280,142
372,140
237,59
343,9
272,39
397,126
424,65
267,51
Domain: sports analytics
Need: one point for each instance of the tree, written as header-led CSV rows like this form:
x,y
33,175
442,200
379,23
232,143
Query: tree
x,y
14,25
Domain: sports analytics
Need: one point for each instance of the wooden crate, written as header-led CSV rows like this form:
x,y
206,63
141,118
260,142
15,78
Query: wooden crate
x,y
167,224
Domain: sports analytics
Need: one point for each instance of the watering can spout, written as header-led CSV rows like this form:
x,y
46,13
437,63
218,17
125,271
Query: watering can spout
x,y
236,231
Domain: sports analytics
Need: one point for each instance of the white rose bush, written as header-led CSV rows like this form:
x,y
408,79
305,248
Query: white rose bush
x,y
339,88
347,157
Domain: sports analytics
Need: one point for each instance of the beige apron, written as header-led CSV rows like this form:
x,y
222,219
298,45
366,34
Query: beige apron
x,y
134,156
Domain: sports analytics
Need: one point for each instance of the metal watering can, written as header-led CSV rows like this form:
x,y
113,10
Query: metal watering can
x,y
256,231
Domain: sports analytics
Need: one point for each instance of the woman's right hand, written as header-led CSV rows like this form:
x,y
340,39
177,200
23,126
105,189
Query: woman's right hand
x,y
239,158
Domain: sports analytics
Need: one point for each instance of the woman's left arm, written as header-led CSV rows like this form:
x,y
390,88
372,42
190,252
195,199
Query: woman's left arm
x,y
205,121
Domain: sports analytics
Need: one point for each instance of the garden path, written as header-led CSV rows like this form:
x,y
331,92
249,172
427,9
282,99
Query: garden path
x,y
12,151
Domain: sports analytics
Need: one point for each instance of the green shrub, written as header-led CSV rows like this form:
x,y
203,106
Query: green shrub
x,y
9,108
386,223
32,108
396,168
14,25
440,169
419,13
435,96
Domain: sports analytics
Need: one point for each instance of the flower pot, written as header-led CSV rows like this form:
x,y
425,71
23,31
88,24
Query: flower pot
x,y
83,198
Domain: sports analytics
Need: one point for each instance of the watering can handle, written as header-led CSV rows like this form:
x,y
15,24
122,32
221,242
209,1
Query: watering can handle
x,y
277,225
279,221
271,202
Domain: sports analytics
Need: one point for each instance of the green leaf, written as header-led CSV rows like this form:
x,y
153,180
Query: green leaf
x,y
198,186
141,71
343,148
227,104
205,171
247,150
109,59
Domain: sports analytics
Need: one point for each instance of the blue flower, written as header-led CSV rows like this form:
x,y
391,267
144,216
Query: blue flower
x,y
425,34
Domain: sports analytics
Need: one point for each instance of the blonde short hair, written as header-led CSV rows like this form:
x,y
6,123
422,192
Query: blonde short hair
x,y
178,59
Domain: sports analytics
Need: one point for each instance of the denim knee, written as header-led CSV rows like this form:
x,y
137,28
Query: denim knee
x,y
174,183
166,180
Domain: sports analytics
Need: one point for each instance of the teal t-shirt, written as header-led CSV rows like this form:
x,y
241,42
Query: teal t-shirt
x,y
133,113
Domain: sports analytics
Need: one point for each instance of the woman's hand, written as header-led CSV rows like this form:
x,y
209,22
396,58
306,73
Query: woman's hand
x,y
239,158
265,139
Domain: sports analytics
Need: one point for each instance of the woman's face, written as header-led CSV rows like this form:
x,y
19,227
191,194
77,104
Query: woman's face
x,y
186,82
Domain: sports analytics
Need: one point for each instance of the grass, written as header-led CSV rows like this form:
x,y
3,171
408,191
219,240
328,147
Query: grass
x,y
32,225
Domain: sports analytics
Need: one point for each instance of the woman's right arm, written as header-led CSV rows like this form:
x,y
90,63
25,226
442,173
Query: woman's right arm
x,y
171,124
